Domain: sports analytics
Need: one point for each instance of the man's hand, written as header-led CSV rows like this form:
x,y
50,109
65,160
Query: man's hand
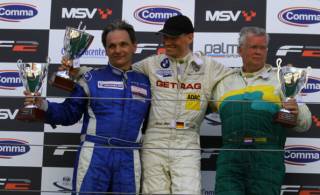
x,y
292,106
30,99
67,65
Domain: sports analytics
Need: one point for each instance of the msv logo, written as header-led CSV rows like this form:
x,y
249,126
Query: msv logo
x,y
9,79
155,14
312,86
299,16
13,147
15,12
301,154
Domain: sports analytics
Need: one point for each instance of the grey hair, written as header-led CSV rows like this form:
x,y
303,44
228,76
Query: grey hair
x,y
252,30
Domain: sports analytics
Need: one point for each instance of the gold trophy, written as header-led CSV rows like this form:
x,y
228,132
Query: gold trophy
x,y
32,76
292,81
76,42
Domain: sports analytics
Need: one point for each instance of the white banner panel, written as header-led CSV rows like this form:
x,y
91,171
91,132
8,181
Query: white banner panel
x,y
222,47
94,55
150,15
25,14
311,93
21,149
302,155
293,16
56,181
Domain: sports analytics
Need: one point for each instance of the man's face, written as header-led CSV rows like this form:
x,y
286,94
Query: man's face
x,y
177,47
120,49
254,52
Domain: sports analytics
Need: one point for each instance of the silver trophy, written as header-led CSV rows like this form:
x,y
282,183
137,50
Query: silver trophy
x,y
292,80
32,76
76,42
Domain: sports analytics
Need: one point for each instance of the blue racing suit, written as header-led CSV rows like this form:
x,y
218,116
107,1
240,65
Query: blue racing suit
x,y
113,116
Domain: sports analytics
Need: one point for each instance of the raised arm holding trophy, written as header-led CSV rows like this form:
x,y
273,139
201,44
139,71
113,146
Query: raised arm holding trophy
x,y
292,81
32,76
76,42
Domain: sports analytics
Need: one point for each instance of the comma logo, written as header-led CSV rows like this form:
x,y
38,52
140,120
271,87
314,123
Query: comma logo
x,y
155,14
10,147
301,154
9,79
312,86
16,12
300,16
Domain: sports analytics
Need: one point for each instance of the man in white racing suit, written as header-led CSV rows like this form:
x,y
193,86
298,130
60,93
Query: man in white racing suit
x,y
181,86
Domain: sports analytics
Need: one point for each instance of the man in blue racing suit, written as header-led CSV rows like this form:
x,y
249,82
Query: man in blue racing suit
x,y
114,103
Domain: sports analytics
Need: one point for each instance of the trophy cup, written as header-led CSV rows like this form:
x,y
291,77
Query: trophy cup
x,y
292,81
76,42
32,76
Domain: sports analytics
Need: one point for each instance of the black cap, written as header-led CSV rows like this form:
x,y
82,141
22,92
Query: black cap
x,y
177,25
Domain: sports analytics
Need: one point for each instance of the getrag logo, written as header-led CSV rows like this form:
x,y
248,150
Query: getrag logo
x,y
229,15
20,46
16,12
9,79
301,154
155,14
82,13
312,86
300,16
304,51
13,147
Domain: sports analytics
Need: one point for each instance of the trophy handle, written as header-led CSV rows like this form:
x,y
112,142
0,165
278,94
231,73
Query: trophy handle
x,y
278,63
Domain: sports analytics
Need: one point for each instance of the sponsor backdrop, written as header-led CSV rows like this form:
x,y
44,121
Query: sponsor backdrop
x,y
38,158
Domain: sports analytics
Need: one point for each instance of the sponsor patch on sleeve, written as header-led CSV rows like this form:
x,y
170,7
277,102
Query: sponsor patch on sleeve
x,y
138,92
111,85
193,101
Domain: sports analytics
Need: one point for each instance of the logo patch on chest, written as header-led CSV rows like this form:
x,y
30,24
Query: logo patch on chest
x,y
193,101
111,85
164,73
138,92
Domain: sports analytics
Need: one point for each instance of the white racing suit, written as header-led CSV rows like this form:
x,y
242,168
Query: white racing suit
x,y
181,89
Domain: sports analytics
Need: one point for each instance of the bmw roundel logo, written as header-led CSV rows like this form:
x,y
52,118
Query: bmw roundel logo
x,y
165,63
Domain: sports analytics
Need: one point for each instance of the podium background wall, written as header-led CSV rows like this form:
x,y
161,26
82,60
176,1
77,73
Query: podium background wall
x,y
31,30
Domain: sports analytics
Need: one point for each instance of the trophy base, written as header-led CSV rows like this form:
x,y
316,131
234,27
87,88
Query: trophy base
x,y
286,119
30,114
62,83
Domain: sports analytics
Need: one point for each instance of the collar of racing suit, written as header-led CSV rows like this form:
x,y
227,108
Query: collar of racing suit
x,y
263,73
188,59
118,71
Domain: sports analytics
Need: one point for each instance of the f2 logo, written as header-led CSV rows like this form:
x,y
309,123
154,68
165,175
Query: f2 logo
x,y
20,46
305,51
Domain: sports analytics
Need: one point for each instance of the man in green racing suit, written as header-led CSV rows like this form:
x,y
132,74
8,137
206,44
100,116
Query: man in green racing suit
x,y
247,103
